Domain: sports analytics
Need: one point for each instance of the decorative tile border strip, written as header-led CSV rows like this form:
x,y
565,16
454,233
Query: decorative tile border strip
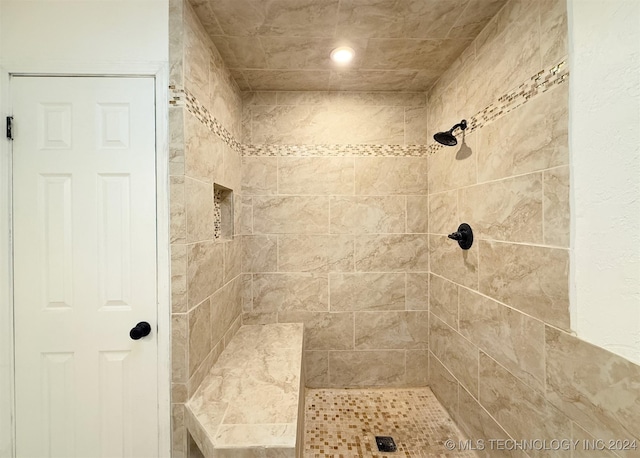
x,y
538,84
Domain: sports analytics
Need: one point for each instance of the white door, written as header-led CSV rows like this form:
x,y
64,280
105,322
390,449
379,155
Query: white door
x,y
85,266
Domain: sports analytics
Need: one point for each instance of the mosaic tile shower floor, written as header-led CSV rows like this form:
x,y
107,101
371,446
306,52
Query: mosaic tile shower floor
x,y
343,423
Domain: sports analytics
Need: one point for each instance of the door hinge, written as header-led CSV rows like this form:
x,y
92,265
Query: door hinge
x,y
10,127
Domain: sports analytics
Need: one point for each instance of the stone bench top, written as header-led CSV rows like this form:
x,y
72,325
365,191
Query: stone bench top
x,y
251,397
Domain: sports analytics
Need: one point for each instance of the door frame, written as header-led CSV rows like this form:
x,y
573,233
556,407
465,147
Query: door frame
x,y
159,72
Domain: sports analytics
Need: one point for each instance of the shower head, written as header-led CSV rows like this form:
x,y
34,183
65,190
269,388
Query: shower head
x,y
447,138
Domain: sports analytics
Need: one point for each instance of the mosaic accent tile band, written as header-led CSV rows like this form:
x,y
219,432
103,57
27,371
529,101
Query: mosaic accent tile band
x,y
344,423
538,84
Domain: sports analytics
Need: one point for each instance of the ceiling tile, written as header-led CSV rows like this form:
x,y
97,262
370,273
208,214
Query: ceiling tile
x,y
241,52
411,53
371,80
287,80
475,17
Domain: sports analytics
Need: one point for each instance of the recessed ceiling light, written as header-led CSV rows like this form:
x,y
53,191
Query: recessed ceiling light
x,y
342,55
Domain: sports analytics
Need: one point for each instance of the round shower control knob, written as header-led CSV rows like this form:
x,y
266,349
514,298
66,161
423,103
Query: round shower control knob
x,y
464,236
140,330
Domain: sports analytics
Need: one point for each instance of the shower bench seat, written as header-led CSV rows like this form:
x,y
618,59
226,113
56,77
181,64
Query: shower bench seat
x,y
251,404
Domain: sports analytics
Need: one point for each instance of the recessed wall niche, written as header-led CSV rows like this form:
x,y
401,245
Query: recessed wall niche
x,y
222,212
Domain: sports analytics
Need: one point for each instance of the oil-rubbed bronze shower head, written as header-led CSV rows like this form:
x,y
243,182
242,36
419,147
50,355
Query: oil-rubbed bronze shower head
x,y
447,138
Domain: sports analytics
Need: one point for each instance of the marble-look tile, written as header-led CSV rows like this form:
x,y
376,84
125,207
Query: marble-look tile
x,y
583,440
453,263
225,100
178,278
553,31
393,99
178,217
392,253
533,137
443,300
474,18
315,253
205,272
477,424
226,306
417,291
532,279
258,98
376,80
286,80
247,292
241,52
364,368
178,432
417,370
523,411
556,206
331,175
443,212
232,169
199,334
594,387
444,385
232,258
508,210
391,176
391,330
417,214
250,318
259,253
453,167
458,355
304,98
233,329
402,53
323,330
176,42
366,215
179,348
196,56
178,393
199,210
415,126
259,176
290,291
511,338
203,151
367,291
176,141
291,215
246,220
304,52
317,369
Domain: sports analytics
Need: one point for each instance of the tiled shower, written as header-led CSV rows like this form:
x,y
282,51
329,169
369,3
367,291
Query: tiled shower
x,y
342,204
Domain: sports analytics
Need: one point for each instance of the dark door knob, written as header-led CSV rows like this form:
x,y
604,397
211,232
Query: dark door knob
x,y
140,330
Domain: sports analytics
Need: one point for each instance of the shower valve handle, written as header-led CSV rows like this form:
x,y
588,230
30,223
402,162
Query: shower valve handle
x,y
464,236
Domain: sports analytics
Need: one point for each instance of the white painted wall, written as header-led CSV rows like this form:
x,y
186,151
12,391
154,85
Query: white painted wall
x,y
80,36
604,138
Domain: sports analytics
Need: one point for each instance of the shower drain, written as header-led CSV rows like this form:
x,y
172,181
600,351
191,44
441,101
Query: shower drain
x,y
386,444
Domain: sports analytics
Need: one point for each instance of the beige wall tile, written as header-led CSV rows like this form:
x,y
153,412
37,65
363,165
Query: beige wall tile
x,y
249,318
553,31
178,217
204,151
453,263
179,393
392,253
417,214
226,306
594,387
415,126
331,175
458,355
364,368
205,271
199,210
323,330
259,253
317,369
196,56
232,258
367,291
556,206
315,253
509,210
453,167
584,441
391,330
247,292
417,291
530,278
443,213
417,372
232,170
444,385
259,176
291,215
178,432
533,137
199,334
391,175
511,338
443,300
246,221
522,411
293,291
366,215
179,347
178,278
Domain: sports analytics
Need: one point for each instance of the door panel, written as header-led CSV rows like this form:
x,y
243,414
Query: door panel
x,y
85,266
